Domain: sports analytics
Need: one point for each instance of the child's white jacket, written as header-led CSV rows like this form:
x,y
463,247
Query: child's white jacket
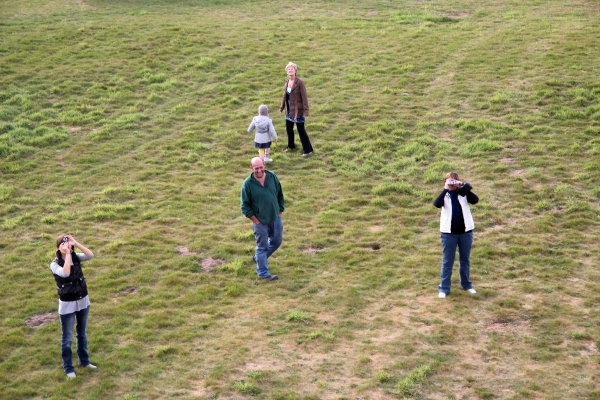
x,y
264,129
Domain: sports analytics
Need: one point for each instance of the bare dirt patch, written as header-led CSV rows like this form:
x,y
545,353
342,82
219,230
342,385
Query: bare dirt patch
x,y
40,320
334,376
507,160
519,327
516,149
184,251
210,263
129,290
517,172
371,246
326,318
590,348
559,208
81,4
438,81
313,249
265,364
456,14
376,228
203,391
494,228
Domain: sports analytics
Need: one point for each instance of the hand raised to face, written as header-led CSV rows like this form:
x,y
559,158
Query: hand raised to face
x,y
65,247
452,184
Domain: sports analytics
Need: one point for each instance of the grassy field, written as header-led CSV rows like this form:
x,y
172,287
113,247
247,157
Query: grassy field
x,y
124,123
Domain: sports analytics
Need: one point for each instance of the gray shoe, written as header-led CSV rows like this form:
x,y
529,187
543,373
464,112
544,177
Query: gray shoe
x,y
305,155
71,375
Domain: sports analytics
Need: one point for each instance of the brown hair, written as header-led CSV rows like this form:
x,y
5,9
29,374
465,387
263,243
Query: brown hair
x,y
451,175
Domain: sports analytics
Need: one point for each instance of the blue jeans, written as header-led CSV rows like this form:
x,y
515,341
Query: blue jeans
x,y
268,239
450,242
66,323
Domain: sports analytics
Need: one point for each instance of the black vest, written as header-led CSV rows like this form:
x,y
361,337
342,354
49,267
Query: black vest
x,y
72,287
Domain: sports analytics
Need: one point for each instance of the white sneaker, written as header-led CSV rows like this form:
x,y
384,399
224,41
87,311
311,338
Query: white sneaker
x,y
442,295
71,375
472,291
91,366
268,159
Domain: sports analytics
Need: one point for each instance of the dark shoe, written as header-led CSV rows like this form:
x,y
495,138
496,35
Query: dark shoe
x,y
270,278
289,149
254,258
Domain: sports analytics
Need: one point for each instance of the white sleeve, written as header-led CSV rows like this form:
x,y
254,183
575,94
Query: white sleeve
x,y
57,270
82,257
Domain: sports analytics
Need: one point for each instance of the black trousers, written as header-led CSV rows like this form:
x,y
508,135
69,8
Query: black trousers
x,y
289,128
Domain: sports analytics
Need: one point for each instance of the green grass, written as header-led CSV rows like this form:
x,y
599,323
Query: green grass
x,y
124,123
409,385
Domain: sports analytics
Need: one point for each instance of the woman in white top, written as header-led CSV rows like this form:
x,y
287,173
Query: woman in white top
x,y
73,303
456,231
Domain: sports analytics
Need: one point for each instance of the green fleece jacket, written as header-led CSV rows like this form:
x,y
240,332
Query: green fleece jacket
x,y
266,202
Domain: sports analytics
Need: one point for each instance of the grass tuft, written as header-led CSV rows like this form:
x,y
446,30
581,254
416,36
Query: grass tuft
x,y
297,316
235,266
384,377
248,388
410,384
164,351
6,191
314,335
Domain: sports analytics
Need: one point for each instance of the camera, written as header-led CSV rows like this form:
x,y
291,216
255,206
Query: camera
x,y
452,182
65,239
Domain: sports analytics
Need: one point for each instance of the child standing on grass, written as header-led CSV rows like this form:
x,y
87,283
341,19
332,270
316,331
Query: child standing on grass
x,y
264,132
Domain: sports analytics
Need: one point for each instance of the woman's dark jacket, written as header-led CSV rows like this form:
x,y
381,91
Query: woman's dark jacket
x,y
73,287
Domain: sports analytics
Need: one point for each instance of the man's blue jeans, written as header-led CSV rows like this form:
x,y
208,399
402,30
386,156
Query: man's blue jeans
x,y
450,242
268,239
66,323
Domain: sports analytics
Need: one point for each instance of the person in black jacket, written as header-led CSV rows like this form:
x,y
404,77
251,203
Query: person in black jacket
x,y
73,303
456,230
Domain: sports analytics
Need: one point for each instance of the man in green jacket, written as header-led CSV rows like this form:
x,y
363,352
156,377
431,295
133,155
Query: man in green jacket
x,y
262,201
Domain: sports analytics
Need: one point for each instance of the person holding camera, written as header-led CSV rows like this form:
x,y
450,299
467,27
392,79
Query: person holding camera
x,y
73,303
456,227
